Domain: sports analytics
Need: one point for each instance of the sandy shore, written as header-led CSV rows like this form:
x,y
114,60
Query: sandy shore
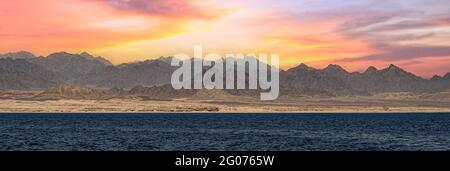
x,y
307,105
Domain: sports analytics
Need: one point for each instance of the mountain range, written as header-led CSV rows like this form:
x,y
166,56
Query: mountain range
x,y
25,71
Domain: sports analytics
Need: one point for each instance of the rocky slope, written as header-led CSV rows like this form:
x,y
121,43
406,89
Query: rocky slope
x,y
148,73
19,74
71,67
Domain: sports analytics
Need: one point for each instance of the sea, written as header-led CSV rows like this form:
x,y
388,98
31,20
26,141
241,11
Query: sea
x,y
226,131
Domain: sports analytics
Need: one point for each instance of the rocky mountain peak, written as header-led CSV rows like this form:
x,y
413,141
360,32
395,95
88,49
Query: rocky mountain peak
x,y
56,54
99,58
371,70
86,55
62,55
302,67
447,76
335,69
394,68
436,78
167,59
18,55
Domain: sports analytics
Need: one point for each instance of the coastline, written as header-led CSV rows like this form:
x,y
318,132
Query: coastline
x,y
26,102
191,106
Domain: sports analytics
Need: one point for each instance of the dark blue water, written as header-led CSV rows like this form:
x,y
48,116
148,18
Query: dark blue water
x,y
225,132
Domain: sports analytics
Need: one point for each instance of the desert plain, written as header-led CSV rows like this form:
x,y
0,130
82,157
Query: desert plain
x,y
25,101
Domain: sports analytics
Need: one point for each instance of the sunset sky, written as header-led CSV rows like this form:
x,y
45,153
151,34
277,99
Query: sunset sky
x,y
414,34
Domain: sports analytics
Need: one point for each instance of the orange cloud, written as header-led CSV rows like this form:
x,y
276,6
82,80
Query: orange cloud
x,y
75,25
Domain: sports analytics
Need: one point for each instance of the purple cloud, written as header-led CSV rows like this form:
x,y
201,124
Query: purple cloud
x,y
153,6
177,8
398,53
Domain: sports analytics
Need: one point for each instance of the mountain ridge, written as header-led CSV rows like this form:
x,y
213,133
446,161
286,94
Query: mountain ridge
x,y
87,70
18,54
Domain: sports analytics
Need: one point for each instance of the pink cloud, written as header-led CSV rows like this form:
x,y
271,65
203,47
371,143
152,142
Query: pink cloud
x,y
167,8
